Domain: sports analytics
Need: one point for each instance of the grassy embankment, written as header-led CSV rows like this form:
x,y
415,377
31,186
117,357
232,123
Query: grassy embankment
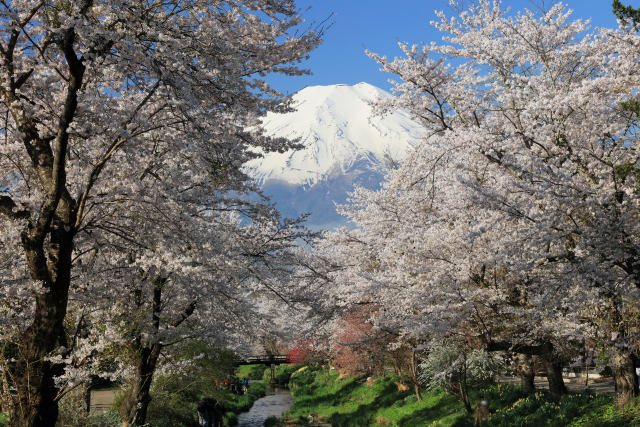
x,y
282,374
250,372
320,395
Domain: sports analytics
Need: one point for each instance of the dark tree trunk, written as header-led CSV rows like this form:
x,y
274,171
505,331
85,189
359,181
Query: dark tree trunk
x,y
624,375
87,397
35,401
136,402
464,391
36,392
47,242
554,377
416,388
464,396
553,367
622,361
552,361
526,372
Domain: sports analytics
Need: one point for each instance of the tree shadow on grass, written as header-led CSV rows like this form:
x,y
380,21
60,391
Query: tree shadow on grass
x,y
364,414
329,399
446,405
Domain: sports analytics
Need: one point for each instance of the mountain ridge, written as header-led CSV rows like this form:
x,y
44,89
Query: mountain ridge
x,y
345,144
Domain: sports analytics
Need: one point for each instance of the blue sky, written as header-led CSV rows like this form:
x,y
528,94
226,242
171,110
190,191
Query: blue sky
x,y
378,25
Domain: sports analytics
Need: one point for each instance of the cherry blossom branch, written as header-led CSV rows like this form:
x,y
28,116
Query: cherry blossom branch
x,y
186,313
113,148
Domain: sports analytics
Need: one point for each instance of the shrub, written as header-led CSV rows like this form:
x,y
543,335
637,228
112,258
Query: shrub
x,y
303,379
456,368
237,404
272,422
282,373
230,419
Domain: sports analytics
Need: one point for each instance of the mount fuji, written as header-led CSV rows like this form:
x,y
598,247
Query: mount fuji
x,y
345,145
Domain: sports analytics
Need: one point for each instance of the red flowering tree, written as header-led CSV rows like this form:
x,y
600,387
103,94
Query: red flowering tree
x,y
359,347
306,351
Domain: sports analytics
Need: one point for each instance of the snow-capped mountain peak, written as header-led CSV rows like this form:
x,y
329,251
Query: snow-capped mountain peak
x,y
338,130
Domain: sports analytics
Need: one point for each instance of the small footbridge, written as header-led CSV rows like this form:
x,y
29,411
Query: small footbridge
x,y
265,359
270,360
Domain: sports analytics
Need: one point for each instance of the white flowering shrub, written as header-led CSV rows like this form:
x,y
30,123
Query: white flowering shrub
x,y
447,364
456,368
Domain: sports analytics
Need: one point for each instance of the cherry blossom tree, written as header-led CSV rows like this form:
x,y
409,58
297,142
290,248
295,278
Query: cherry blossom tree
x,y
515,222
113,110
174,289
527,114
358,347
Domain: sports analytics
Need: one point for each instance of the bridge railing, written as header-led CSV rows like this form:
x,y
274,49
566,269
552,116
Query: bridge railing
x,y
266,359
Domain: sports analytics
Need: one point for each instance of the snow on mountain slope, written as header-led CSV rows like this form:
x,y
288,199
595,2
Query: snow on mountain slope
x,y
339,131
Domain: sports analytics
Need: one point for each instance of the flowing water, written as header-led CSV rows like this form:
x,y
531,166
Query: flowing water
x,y
275,403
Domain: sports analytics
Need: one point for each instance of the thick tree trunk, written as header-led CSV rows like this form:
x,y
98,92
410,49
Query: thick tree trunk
x,y
526,372
624,375
136,402
622,360
35,400
554,377
133,408
34,403
47,242
552,362
553,366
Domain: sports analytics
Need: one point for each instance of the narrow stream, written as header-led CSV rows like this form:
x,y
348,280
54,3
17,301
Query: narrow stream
x,y
277,401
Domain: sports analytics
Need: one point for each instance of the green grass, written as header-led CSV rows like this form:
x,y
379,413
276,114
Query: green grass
x,y
320,395
282,373
510,407
251,372
351,402
237,404
272,422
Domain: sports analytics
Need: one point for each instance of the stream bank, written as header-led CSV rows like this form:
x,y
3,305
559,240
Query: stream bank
x,y
323,397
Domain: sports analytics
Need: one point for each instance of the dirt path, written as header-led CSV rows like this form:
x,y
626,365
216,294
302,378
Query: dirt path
x,y
597,385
